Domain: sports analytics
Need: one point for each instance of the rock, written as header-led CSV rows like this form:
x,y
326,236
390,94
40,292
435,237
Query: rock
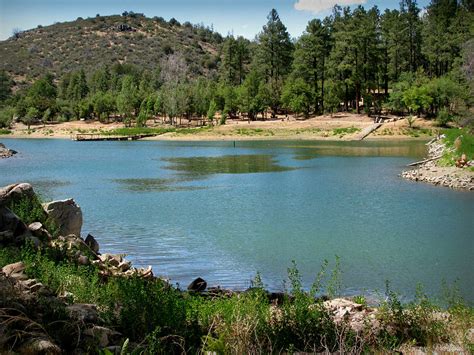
x,y
35,226
111,259
39,346
124,266
15,193
340,303
11,226
83,260
5,152
92,243
104,336
83,312
66,214
14,268
198,285
37,229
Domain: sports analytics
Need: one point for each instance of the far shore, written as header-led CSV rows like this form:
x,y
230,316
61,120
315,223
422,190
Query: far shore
x,y
341,126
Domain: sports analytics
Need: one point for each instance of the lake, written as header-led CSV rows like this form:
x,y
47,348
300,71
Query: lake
x,y
221,212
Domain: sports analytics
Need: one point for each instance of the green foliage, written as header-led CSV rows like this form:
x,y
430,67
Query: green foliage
x,y
411,119
407,62
444,117
297,97
132,131
127,100
414,322
161,319
343,131
274,55
30,209
211,112
6,116
5,86
465,145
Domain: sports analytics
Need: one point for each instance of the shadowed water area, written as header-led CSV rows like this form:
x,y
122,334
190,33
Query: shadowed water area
x,y
221,212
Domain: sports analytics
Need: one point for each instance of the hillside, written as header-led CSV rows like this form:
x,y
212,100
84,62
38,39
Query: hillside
x,y
93,42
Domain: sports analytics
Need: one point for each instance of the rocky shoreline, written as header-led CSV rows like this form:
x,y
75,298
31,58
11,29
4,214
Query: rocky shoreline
x,y
428,170
5,152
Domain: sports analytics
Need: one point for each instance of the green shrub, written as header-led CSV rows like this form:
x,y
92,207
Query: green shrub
x,y
444,117
29,210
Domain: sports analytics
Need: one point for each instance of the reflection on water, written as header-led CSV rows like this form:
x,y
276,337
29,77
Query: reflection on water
x,y
156,184
226,164
310,151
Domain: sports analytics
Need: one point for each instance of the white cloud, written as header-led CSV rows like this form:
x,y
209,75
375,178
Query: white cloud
x,y
321,5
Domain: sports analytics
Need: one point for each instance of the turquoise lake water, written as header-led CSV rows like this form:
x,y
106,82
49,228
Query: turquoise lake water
x,y
208,209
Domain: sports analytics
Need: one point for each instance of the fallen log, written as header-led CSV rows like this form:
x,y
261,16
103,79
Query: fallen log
x,y
424,161
366,131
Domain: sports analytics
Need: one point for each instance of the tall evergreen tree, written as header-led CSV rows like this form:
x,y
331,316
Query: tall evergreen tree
x,y
235,59
410,17
310,60
274,56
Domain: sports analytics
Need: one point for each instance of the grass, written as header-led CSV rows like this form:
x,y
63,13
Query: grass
x,y
5,131
417,132
254,132
344,131
163,319
132,131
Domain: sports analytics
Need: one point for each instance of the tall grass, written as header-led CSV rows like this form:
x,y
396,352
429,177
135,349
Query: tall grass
x,y
158,318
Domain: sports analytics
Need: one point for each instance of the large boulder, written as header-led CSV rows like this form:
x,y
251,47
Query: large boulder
x,y
67,216
15,193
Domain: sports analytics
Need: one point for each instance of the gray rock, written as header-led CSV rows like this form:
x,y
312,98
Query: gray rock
x,y
15,192
5,152
37,229
83,312
66,214
92,243
198,285
10,226
104,336
35,226
83,260
39,346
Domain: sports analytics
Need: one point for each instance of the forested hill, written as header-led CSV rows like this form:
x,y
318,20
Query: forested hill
x,y
93,42
404,61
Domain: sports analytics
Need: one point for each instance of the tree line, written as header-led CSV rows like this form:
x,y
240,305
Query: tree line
x,y
403,61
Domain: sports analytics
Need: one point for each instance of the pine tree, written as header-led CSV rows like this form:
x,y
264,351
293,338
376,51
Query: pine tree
x,y
274,56
310,60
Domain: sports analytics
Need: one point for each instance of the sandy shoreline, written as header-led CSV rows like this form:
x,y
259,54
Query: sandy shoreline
x,y
337,127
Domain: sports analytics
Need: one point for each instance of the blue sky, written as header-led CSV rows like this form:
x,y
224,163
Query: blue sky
x,y
241,17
